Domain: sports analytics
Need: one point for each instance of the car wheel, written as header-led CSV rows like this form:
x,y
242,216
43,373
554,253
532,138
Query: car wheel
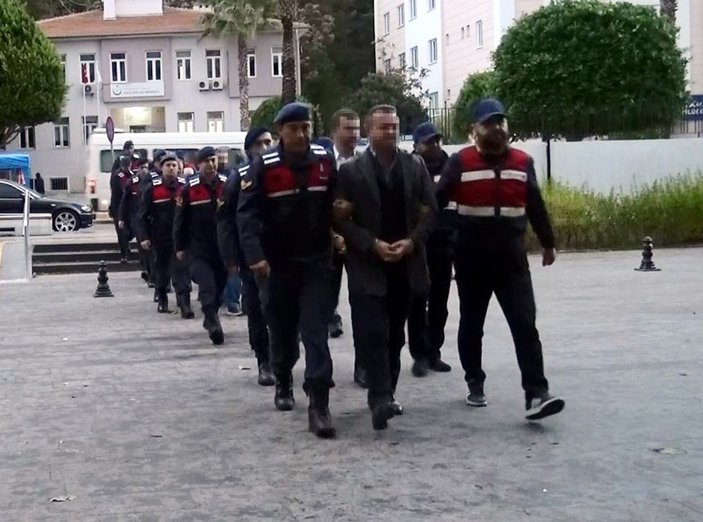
x,y
66,221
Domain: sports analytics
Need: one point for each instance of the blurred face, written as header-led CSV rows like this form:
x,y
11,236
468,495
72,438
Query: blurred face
x,y
347,133
383,130
170,169
296,136
430,149
180,166
209,166
262,144
492,135
144,168
222,161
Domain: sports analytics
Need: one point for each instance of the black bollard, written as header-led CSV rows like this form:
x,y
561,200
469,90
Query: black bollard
x,y
103,289
647,264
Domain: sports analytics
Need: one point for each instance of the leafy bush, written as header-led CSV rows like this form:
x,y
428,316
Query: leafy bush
x,y
670,210
476,87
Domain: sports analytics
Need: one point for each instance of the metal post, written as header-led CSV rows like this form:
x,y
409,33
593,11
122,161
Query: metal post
x,y
298,80
25,233
549,159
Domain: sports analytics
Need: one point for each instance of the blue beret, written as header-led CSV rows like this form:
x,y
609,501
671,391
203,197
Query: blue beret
x,y
253,135
293,112
205,153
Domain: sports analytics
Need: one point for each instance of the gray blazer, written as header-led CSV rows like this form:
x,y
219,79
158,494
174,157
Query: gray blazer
x,y
358,218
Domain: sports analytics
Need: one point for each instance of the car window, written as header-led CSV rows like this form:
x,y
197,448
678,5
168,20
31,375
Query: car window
x,y
8,191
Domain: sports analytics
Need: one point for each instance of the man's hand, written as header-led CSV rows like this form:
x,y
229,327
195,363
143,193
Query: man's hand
x,y
549,255
233,268
146,244
261,269
121,224
340,244
181,255
383,250
403,248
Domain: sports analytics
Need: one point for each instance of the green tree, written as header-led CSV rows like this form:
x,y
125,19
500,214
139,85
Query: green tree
x,y
31,75
476,86
241,19
396,88
288,14
581,68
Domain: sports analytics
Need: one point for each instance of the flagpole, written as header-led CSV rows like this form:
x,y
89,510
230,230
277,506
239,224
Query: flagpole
x,y
99,80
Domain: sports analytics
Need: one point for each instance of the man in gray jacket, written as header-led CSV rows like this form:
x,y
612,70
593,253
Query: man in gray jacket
x,y
384,207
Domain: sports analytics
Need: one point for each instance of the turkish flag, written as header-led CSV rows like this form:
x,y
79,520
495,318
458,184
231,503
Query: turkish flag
x,y
84,74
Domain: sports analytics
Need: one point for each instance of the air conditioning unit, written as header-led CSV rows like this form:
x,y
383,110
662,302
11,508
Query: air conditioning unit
x,y
88,90
218,85
204,85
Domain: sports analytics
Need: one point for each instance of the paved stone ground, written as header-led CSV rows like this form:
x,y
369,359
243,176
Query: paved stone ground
x,y
139,418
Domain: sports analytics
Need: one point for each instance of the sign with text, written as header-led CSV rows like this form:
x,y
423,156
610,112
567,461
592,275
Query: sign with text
x,y
694,109
137,90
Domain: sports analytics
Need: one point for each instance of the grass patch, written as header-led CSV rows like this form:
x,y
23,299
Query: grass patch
x,y
670,210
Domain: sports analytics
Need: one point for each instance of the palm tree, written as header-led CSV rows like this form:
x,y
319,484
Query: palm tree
x,y
668,8
288,14
243,19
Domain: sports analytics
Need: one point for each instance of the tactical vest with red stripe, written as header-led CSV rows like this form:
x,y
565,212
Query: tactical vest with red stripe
x,y
280,181
162,193
201,194
489,190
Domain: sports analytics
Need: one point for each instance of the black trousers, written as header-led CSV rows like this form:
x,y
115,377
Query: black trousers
x,y
429,313
298,301
146,259
379,333
211,277
480,274
256,321
337,269
167,268
123,237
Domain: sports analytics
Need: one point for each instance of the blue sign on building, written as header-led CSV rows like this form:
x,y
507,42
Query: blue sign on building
x,y
694,109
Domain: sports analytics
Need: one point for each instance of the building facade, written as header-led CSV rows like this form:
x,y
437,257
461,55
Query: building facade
x,y
148,67
468,31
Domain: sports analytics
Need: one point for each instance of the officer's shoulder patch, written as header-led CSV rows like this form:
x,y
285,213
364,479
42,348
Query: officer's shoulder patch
x,y
222,177
271,159
135,179
182,181
156,181
179,200
120,174
244,170
246,184
194,181
154,174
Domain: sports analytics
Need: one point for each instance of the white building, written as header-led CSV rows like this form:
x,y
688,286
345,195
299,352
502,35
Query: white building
x,y
148,67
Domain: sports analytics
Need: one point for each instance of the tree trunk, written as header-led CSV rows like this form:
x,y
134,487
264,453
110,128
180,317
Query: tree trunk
x,y
8,135
244,119
288,10
668,9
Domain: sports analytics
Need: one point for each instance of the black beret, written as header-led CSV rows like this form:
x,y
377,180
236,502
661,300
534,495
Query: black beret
x,y
205,153
253,135
169,156
158,154
125,161
293,112
128,145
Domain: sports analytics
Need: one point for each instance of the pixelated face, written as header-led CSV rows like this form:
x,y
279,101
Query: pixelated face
x,y
347,133
383,129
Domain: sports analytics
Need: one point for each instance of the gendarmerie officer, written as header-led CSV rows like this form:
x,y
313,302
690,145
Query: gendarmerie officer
x,y
195,234
284,220
128,219
118,183
496,192
157,206
257,142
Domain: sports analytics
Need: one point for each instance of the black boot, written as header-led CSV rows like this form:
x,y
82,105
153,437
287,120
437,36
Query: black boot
x,y
319,419
156,296
284,399
381,411
162,308
184,305
266,377
212,324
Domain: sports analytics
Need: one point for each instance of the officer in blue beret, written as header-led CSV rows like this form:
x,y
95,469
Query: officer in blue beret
x,y
284,218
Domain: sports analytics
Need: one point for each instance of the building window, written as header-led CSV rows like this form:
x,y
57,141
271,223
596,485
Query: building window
x,y
276,62
468,31
58,184
479,34
214,65
215,121
251,63
401,60
183,65
87,68
414,60
118,67
153,66
27,138
62,139
431,4
90,123
413,9
401,15
185,122
434,100
433,50
386,23
387,65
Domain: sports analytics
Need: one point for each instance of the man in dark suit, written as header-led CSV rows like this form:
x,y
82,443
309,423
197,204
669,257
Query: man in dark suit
x,y
384,207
